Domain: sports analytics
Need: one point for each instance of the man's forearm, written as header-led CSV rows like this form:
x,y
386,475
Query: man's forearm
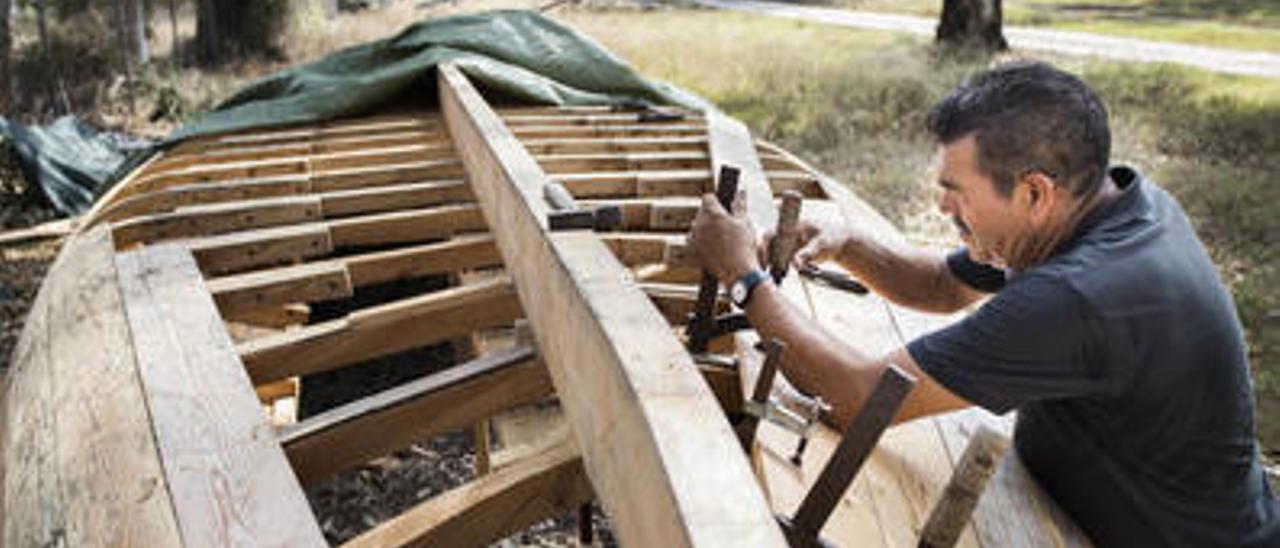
x,y
814,362
905,274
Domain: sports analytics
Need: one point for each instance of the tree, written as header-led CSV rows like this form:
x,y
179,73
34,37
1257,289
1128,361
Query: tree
x,y
231,28
971,24
7,87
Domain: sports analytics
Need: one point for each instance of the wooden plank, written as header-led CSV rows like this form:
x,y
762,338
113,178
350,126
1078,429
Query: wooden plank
x,y
229,480
538,487
461,252
545,131
376,425
381,330
394,197
591,119
623,184
660,455
301,283
416,225
80,461
653,161
240,251
336,278
391,174
206,220
177,196
302,148
585,145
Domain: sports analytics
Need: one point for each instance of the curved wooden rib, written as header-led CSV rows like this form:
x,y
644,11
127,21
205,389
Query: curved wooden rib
x,y
661,457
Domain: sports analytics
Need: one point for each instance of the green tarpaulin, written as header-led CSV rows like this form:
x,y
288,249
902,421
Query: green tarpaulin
x,y
519,55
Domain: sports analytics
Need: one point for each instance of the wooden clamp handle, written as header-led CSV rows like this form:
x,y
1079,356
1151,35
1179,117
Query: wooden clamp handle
x,y
981,458
783,246
703,321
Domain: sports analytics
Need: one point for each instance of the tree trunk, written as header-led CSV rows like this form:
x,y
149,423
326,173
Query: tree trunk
x,y
232,28
7,89
973,24
137,17
175,42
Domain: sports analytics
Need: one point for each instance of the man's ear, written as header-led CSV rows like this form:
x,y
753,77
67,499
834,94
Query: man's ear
x,y
1038,195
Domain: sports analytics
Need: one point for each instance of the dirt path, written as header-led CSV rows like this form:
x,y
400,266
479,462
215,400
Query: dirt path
x,y
1251,63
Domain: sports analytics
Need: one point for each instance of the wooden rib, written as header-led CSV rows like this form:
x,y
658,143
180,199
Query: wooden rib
x,y
379,424
660,214
631,184
216,445
539,486
304,153
390,198
240,251
216,219
288,149
308,282
543,132
344,179
651,161
588,145
336,278
181,195
381,330
661,456
579,119
635,249
416,225
342,128
80,458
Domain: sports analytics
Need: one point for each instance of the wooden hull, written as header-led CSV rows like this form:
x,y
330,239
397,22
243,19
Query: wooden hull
x,y
135,411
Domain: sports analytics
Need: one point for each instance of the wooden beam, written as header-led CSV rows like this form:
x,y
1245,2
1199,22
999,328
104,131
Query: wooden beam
x,y
219,457
337,278
308,282
554,131
538,487
381,330
80,459
587,145
393,197
417,225
240,251
607,161
376,425
590,119
214,219
673,214
625,184
661,456
294,148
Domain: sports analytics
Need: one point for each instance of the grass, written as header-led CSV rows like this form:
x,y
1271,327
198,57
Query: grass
x,y
1239,24
852,102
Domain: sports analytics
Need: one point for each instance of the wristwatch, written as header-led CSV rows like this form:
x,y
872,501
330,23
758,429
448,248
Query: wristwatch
x,y
741,290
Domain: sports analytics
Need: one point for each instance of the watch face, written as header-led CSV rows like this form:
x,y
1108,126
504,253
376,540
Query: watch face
x,y
738,292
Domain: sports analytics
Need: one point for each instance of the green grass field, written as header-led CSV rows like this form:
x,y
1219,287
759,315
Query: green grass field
x,y
1237,24
853,103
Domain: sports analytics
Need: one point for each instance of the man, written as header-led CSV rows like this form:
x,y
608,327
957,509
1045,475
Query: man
x,y
1109,330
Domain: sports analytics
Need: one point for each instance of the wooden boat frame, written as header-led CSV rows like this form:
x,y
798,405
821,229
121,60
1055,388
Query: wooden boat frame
x,y
178,310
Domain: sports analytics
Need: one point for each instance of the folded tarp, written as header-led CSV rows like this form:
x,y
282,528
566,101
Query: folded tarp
x,y
519,55
67,159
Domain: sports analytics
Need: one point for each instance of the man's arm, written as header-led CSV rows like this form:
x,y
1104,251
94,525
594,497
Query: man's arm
x,y
905,274
819,364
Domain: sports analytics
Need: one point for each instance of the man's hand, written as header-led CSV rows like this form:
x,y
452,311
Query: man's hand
x,y
819,242
725,244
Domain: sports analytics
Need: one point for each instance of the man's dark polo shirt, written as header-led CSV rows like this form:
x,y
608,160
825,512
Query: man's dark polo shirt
x,y
1125,360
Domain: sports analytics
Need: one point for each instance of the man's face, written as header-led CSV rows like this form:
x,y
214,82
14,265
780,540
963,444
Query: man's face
x,y
988,222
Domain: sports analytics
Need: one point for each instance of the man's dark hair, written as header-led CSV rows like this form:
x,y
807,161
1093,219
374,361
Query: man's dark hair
x,y
1029,117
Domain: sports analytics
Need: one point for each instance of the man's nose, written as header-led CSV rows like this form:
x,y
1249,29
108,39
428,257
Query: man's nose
x,y
944,204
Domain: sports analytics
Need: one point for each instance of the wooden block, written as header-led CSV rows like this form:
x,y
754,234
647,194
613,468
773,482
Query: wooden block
x,y
263,247
267,288
418,225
